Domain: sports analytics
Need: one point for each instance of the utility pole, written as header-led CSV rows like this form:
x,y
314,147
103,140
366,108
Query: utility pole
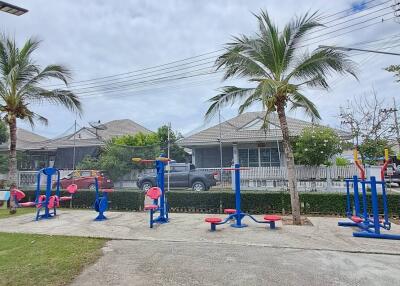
x,y
396,124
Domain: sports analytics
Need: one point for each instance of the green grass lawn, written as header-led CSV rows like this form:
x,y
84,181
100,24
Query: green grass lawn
x,y
5,213
29,259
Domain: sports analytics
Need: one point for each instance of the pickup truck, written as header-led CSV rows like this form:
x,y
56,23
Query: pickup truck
x,y
181,175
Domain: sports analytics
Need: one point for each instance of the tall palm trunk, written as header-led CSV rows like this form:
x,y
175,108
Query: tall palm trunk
x,y
12,161
291,171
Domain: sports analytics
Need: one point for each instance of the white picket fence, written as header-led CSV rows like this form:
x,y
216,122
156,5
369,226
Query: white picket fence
x,y
309,178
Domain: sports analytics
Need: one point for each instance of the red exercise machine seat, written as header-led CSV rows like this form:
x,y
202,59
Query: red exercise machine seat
x,y
150,207
63,199
72,189
107,190
213,220
272,217
154,193
356,219
229,211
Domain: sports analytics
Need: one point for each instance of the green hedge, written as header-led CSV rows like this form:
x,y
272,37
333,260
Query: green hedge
x,y
215,202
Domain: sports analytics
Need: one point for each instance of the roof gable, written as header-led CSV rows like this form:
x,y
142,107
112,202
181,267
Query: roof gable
x,y
247,127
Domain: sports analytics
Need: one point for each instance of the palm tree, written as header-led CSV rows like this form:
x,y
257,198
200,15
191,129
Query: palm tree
x,y
20,79
278,70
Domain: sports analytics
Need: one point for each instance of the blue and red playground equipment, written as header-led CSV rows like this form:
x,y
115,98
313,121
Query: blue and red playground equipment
x,y
370,225
101,202
236,215
46,202
157,194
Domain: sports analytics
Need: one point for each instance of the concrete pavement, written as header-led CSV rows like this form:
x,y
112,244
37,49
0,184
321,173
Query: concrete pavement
x,y
185,252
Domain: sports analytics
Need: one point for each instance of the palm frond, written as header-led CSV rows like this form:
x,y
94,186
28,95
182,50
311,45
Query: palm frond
x,y
298,100
322,63
228,95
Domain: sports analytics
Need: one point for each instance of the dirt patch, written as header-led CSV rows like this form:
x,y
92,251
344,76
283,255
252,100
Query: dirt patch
x,y
289,221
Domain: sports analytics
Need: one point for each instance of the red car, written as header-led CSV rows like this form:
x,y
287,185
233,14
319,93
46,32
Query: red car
x,y
85,180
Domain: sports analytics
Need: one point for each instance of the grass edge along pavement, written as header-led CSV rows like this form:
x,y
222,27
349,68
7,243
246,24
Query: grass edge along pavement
x,y
31,259
5,213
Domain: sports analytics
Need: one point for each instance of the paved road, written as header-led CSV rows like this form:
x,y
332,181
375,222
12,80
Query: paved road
x,y
183,263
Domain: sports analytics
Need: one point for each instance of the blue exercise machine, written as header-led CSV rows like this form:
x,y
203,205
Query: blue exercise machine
x,y
101,202
47,203
236,215
370,225
157,194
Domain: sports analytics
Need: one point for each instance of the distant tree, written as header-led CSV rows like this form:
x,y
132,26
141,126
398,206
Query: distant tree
x,y
372,151
177,153
341,162
116,156
394,69
316,146
367,117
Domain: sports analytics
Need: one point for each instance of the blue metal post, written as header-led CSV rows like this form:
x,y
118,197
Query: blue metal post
x,y
348,205
385,207
96,184
48,194
239,214
160,183
356,196
375,210
364,200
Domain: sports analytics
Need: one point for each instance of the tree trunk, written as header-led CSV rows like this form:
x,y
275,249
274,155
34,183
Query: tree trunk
x,y
12,160
291,171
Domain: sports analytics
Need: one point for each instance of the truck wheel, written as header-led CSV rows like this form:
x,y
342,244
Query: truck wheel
x,y
198,186
146,186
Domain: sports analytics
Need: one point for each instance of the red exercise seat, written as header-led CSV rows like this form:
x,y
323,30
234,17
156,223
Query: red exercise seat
x,y
229,211
107,190
272,217
150,207
213,219
356,219
63,199
27,204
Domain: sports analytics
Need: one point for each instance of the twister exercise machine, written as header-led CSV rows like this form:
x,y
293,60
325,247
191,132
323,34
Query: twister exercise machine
x,y
157,194
100,204
236,215
370,225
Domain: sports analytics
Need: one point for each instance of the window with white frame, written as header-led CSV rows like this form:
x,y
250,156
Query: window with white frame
x,y
259,157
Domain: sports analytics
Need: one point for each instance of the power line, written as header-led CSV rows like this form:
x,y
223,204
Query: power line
x,y
213,52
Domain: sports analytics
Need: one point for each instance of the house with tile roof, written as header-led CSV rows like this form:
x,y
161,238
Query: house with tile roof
x,y
244,141
59,152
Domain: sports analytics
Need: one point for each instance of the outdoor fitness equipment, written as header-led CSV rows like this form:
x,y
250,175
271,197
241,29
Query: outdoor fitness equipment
x,y
236,215
101,202
370,225
157,194
46,202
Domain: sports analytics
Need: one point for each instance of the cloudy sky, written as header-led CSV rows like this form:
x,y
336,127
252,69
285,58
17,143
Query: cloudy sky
x,y
99,39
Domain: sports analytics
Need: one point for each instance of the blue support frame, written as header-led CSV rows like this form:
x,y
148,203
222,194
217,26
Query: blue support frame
x,y
162,201
44,205
369,227
239,215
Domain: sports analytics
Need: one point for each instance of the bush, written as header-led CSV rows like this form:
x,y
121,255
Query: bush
x,y
215,202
